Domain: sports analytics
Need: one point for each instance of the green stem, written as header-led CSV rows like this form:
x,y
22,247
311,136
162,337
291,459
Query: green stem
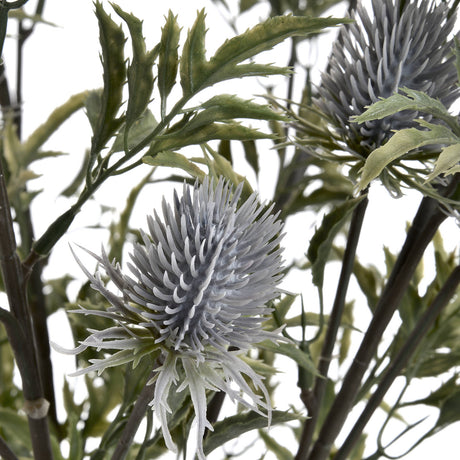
x,y
315,400
426,222
420,330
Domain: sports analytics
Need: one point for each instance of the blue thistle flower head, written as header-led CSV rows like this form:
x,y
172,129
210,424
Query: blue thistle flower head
x,y
373,58
197,291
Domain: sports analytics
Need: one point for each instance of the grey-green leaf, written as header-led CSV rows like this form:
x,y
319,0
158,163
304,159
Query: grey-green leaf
x,y
233,427
399,144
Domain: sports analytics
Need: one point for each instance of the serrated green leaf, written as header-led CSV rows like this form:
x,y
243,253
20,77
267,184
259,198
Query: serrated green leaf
x,y
233,427
140,73
174,160
214,131
168,60
193,57
399,144
226,107
321,243
112,40
291,351
448,158
410,100
224,64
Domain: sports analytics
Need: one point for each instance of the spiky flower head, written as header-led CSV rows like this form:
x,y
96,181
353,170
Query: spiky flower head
x,y
373,58
197,293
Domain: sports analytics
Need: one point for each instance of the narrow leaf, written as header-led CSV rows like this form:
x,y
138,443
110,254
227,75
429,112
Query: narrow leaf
x,y
57,117
174,160
399,144
230,131
193,57
112,40
321,243
291,351
233,427
224,64
226,107
168,60
140,73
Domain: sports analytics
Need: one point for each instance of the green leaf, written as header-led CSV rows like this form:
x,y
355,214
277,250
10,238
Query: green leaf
x,y
169,59
227,107
140,73
193,57
174,160
321,243
224,64
250,153
448,158
233,427
119,230
450,410
291,351
410,100
138,131
272,445
43,132
229,131
399,144
112,40
15,427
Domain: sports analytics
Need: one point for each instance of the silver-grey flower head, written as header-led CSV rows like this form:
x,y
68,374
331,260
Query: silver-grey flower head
x,y
372,59
200,281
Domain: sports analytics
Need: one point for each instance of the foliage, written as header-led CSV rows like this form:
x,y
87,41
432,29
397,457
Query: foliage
x,y
162,112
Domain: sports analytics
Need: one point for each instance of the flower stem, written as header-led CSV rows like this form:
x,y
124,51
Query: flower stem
x,y
315,399
425,224
21,333
134,420
421,328
5,452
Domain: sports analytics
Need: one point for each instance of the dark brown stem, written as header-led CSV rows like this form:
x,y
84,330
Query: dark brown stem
x,y
134,420
22,336
420,330
426,222
314,401
5,452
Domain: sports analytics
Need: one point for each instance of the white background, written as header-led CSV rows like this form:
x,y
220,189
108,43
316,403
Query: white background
x,y
63,60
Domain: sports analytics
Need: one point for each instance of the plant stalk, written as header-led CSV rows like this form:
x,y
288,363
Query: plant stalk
x,y
420,330
134,420
315,400
425,224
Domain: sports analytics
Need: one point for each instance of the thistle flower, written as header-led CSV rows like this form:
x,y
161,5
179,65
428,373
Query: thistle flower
x,y
373,59
200,280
